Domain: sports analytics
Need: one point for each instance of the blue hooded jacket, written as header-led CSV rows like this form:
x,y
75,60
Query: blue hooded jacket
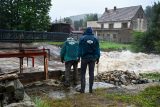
x,y
89,46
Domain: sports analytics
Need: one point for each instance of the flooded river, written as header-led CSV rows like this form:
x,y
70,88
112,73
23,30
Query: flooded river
x,y
126,60
109,61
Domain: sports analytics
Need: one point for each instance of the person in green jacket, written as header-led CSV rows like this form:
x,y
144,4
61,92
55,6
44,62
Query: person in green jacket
x,y
69,55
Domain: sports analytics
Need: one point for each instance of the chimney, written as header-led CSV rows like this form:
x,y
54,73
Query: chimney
x,y
106,9
115,8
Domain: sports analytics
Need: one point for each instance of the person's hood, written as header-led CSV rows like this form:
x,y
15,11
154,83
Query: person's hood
x,y
88,31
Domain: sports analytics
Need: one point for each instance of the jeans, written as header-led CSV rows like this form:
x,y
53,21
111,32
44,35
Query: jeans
x,y
68,66
84,64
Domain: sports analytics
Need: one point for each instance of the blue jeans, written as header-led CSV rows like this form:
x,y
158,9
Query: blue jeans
x,y
84,64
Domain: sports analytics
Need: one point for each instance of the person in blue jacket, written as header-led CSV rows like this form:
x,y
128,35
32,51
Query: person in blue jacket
x,y
69,55
89,53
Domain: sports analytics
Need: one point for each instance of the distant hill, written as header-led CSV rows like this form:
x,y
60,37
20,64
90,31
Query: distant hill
x,y
75,18
81,16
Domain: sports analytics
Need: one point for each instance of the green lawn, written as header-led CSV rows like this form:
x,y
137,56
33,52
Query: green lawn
x,y
109,46
150,97
104,45
56,43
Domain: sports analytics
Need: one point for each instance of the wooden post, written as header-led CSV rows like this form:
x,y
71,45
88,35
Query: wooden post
x,y
21,64
27,61
46,67
32,61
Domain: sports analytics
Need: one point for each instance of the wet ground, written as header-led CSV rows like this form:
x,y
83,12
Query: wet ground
x,y
54,89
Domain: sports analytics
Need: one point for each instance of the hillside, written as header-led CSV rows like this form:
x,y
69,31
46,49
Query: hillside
x,y
81,16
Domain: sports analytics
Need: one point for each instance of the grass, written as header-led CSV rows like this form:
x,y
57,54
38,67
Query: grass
x,y
41,102
56,43
154,75
104,45
150,97
109,46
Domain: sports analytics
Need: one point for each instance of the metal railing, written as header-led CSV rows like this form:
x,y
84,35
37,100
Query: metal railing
x,y
31,36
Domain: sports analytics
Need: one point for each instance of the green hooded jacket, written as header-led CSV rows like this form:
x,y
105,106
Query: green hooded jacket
x,y
69,50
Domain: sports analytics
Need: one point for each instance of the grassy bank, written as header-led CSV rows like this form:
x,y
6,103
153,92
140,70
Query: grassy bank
x,y
112,46
150,97
56,43
154,75
104,45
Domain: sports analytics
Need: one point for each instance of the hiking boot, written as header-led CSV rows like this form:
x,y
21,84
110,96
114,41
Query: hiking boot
x,y
90,91
75,83
66,84
80,90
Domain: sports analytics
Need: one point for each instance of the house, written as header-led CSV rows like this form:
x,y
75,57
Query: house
x,y
118,24
60,27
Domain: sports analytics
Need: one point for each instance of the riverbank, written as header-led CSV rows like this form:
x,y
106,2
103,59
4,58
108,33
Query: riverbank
x,y
143,95
109,61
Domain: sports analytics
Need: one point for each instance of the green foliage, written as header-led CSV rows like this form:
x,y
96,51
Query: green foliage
x,y
138,41
147,98
157,46
41,102
25,14
48,102
56,43
154,75
83,23
90,17
110,46
104,45
149,41
78,24
153,32
68,20
149,14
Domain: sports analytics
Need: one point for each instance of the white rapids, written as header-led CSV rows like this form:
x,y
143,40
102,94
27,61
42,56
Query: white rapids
x,y
126,60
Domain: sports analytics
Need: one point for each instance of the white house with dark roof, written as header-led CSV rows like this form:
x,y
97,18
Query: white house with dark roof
x,y
117,24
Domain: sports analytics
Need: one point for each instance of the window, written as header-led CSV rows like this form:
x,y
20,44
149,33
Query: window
x,y
102,25
114,36
111,26
124,25
140,15
108,37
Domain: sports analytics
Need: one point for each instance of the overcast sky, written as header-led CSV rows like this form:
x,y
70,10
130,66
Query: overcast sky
x,y
66,8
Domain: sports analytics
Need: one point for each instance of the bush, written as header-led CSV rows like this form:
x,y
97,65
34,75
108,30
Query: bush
x,y
157,46
138,42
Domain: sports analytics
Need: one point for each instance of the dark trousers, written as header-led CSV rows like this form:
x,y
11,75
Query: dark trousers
x,y
84,64
68,66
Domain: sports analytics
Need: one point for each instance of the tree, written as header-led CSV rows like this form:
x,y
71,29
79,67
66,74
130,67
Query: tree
x,y
68,20
90,17
78,24
83,23
25,14
150,41
149,14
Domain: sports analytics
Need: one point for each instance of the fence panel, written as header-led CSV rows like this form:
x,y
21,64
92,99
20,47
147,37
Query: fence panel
x,y
31,36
